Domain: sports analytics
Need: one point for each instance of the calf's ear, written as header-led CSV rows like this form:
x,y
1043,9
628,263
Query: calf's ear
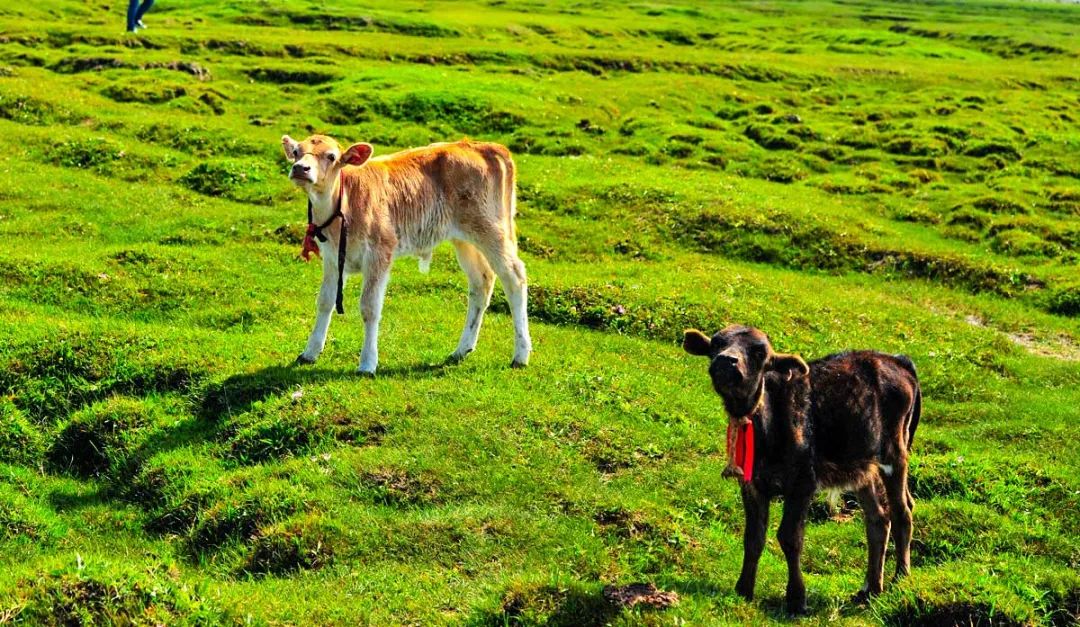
x,y
357,154
790,366
289,145
696,343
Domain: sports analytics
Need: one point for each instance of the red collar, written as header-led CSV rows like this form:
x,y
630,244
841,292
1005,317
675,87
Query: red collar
x,y
315,232
740,448
740,443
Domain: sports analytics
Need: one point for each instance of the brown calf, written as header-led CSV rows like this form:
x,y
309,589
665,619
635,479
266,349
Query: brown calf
x,y
406,204
843,422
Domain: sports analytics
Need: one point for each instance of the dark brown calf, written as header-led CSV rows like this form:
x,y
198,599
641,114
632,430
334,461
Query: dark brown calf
x,y
845,421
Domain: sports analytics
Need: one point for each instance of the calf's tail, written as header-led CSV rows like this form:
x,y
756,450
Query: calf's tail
x,y
916,411
916,407
510,194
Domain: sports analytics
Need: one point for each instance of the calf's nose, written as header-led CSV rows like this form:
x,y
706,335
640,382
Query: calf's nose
x,y
300,168
726,367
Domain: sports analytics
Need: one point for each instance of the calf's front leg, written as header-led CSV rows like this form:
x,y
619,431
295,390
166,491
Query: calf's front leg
x,y
790,535
376,277
324,311
756,508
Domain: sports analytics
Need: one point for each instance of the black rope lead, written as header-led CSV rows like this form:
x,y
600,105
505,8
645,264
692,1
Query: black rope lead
x,y
317,231
341,260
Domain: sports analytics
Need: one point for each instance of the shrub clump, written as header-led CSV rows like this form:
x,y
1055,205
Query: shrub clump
x,y
281,428
155,93
1005,150
915,146
1020,242
999,205
108,596
1064,301
89,153
769,138
238,514
461,113
556,605
306,543
99,438
31,111
51,376
221,178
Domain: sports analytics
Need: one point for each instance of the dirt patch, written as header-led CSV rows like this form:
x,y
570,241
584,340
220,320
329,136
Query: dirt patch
x,y
401,487
623,523
1060,346
644,594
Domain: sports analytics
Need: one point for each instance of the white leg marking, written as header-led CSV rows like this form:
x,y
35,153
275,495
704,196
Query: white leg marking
x,y
481,284
517,294
371,304
325,311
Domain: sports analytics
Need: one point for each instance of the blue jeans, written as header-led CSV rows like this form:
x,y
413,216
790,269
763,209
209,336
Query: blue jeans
x,y
136,11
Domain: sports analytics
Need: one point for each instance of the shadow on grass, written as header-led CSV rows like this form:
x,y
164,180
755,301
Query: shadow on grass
x,y
64,499
236,394
772,605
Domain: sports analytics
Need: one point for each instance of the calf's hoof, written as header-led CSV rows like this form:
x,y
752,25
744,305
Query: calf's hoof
x,y
797,609
744,590
304,360
862,597
517,364
457,357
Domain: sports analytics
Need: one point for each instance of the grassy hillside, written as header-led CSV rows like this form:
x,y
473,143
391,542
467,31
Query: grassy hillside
x,y
892,175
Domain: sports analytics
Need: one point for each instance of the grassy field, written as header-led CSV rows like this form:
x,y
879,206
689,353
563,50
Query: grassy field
x,y
894,175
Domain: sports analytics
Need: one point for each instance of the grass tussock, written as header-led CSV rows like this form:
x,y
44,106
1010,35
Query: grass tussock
x,y
99,438
77,595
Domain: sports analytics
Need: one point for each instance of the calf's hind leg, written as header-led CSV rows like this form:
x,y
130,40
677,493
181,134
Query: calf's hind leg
x,y
900,502
481,284
511,271
877,538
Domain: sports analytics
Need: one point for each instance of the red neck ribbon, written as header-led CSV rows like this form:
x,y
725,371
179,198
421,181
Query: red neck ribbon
x,y
743,455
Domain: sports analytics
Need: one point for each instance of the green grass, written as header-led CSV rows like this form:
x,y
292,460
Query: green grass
x,y
899,176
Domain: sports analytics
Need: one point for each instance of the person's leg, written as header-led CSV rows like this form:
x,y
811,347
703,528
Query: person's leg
x,y
143,8
132,13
